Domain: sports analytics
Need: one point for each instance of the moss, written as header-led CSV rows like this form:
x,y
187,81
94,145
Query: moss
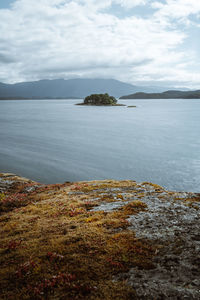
x,y
134,207
155,186
190,201
54,247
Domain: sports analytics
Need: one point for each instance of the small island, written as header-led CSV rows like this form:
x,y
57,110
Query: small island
x,y
100,100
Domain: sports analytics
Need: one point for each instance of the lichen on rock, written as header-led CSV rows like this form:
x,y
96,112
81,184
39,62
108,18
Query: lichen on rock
x,y
97,240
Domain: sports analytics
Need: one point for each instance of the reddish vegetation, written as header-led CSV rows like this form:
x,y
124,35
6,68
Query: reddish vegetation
x,y
53,246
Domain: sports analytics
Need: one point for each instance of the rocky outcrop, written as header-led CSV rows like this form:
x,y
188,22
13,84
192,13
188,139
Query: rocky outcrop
x,y
99,240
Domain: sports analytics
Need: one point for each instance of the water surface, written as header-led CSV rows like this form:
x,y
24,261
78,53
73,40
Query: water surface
x,y
55,141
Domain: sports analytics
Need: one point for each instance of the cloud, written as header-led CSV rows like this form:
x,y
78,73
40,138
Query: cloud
x,y
5,59
99,5
63,39
130,3
177,9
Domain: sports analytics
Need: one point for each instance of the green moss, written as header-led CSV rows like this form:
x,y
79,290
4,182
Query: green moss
x,y
55,248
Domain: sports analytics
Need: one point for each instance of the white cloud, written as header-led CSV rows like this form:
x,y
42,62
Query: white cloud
x,y
62,38
99,5
178,9
130,3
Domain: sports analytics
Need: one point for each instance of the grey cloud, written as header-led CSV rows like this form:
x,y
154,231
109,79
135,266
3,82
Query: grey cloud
x,y
6,59
57,38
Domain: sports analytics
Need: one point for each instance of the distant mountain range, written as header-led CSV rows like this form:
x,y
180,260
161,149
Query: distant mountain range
x,y
165,95
71,88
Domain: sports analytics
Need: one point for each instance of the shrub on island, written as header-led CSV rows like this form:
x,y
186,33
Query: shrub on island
x,y
100,99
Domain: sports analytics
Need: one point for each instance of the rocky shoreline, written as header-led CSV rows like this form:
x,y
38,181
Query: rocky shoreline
x,y
148,239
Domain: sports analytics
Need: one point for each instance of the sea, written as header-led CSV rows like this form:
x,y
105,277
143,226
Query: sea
x,y
54,141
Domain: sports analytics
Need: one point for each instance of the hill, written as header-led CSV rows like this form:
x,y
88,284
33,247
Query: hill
x,y
72,88
165,95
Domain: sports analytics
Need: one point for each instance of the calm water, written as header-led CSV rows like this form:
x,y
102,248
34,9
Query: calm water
x,y
55,141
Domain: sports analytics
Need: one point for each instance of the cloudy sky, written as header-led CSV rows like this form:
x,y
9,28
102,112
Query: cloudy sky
x,y
137,41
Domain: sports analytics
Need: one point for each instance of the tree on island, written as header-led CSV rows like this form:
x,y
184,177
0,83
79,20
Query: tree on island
x,y
100,99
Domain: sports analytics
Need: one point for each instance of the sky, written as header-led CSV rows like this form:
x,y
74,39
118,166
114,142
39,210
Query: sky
x,y
141,42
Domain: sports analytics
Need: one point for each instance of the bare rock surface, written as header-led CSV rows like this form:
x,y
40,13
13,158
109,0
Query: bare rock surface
x,y
172,222
8,181
175,227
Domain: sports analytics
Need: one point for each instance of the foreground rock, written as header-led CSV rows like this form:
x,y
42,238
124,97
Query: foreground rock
x,y
98,240
173,222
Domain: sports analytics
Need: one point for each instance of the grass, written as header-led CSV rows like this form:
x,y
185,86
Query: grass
x,y
52,246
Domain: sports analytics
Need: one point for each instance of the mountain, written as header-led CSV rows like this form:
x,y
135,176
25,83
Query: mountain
x,y
165,95
71,88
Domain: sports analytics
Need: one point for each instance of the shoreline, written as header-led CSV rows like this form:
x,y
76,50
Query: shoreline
x,y
98,240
